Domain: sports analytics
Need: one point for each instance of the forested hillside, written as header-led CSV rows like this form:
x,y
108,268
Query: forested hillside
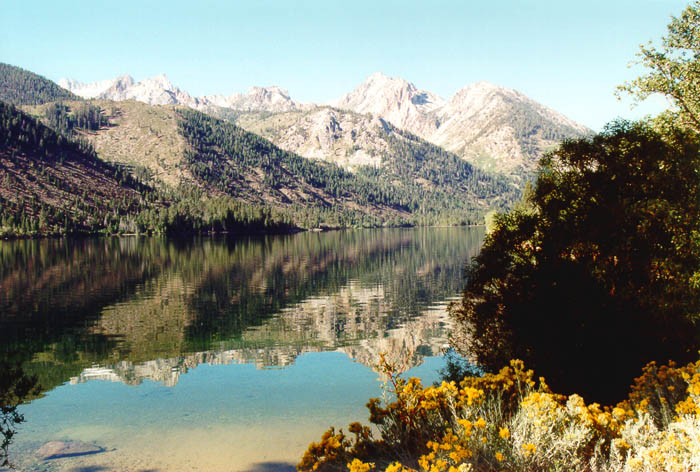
x,y
52,184
370,146
417,185
21,87
83,116
412,160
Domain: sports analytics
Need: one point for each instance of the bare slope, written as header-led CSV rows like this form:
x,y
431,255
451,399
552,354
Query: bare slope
x,y
139,135
347,139
395,176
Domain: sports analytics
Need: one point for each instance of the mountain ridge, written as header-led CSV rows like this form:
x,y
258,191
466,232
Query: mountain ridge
x,y
498,129
53,184
159,90
394,99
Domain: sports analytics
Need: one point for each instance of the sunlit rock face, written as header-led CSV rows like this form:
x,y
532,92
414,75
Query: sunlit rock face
x,y
394,99
493,127
345,138
97,89
271,99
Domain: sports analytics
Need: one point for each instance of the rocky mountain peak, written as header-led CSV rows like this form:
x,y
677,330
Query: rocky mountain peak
x,y
270,99
156,90
95,89
121,83
159,81
479,97
481,90
379,93
381,80
272,91
68,83
396,100
485,85
259,97
496,128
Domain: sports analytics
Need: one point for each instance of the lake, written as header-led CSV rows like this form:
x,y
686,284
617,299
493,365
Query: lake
x,y
218,354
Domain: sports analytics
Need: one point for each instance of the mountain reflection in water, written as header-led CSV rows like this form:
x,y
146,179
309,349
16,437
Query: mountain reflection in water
x,y
129,309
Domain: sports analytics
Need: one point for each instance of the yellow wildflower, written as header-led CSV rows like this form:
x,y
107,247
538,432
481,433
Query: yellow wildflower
x,y
529,448
358,466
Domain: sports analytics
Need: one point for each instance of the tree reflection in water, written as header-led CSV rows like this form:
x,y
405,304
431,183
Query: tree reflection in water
x,y
15,388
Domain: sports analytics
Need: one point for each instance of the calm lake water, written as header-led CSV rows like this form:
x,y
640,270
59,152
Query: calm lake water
x,y
215,354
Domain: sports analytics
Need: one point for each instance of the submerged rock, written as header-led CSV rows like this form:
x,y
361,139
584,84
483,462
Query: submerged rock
x,y
58,449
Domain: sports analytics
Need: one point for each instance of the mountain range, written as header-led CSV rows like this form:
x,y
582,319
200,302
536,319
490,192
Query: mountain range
x,y
189,171
159,90
261,161
495,128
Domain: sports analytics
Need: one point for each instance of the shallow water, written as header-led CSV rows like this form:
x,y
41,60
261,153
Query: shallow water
x,y
215,354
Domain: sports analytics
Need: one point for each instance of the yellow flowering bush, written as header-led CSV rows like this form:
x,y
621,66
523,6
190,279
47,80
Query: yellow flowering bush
x,y
358,466
659,391
664,433
508,421
648,449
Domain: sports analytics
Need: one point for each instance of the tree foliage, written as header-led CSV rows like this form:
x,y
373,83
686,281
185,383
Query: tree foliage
x,y
22,133
83,116
674,67
599,273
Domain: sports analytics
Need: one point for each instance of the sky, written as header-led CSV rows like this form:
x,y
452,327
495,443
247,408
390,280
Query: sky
x,y
568,55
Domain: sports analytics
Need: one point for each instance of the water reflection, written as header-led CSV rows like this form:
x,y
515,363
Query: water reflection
x,y
147,308
15,388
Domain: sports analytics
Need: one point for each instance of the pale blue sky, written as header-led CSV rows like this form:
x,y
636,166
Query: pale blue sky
x,y
568,55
